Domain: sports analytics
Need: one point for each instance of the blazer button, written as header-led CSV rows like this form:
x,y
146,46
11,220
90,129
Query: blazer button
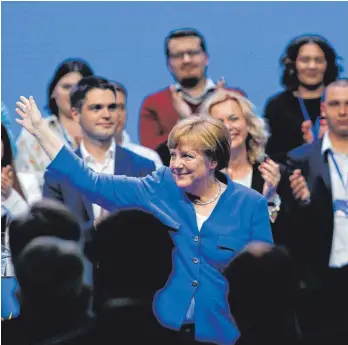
x,y
196,238
195,260
195,283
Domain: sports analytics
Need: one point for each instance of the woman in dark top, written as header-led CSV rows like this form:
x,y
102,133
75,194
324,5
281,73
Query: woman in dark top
x,y
310,63
247,164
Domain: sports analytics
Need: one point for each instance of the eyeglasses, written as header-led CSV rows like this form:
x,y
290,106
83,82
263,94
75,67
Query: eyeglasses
x,y
181,55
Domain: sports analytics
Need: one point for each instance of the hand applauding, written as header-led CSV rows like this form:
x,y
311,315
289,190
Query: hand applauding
x,y
299,186
271,174
306,129
179,104
6,181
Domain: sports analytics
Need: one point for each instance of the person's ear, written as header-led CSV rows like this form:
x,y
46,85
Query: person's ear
x,y
75,114
322,109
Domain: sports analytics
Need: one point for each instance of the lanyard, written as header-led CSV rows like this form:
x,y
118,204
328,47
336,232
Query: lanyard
x,y
315,128
345,185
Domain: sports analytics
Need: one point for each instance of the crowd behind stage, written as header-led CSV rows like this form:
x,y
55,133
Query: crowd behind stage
x,y
219,227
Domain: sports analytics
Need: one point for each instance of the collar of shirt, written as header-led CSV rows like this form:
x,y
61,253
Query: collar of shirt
x,y
326,144
126,138
109,154
209,86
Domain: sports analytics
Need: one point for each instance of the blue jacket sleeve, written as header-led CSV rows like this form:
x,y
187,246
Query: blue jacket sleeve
x,y
108,191
261,227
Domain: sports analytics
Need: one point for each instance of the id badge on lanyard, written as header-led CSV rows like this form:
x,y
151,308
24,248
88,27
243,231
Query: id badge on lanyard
x,y
341,205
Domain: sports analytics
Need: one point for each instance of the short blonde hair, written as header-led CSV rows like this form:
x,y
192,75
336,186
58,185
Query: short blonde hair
x,y
203,133
258,133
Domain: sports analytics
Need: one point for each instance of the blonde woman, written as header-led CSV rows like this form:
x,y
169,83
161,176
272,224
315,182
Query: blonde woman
x,y
248,164
210,217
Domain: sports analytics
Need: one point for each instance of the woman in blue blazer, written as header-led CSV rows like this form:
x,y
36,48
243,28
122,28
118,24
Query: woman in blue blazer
x,y
211,218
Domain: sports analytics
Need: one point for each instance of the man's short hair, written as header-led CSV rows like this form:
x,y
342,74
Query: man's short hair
x,y
79,91
179,33
48,268
138,247
341,82
44,218
119,87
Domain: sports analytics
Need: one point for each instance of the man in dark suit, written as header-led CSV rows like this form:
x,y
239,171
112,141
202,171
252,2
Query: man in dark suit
x,y
320,237
93,103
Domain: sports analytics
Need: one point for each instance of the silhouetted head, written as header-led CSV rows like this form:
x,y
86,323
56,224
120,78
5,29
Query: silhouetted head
x,y
134,250
44,218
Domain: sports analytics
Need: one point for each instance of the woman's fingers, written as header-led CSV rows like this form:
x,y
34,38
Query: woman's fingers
x,y
25,101
22,107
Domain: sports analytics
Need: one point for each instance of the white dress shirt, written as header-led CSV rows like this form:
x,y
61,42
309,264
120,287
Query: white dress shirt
x,y
339,247
141,150
246,181
107,167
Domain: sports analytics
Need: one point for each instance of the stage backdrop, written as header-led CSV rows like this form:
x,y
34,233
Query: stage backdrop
x,y
124,41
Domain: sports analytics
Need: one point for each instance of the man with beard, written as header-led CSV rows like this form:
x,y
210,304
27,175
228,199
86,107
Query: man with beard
x,y
187,60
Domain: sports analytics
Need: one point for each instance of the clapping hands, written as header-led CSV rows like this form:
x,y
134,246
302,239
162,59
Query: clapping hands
x,y
270,172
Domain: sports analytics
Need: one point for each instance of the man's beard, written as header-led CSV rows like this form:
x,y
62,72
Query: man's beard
x,y
312,87
189,83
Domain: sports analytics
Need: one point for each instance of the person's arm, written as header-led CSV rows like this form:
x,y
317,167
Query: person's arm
x,y
51,188
149,127
108,191
32,121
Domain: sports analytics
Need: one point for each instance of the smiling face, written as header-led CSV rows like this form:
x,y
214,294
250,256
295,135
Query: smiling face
x,y
190,167
230,113
98,116
186,59
311,64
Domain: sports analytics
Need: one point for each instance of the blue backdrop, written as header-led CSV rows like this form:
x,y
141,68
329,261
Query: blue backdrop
x,y
124,41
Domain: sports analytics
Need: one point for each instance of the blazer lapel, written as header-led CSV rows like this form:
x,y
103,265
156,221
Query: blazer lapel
x,y
121,162
86,203
323,165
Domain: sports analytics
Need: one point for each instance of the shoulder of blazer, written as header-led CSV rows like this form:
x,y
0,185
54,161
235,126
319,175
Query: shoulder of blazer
x,y
138,160
303,152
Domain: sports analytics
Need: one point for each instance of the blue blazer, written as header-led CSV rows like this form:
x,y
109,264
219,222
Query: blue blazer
x,y
60,189
239,217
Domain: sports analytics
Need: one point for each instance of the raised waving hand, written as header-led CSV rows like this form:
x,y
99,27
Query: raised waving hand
x,y
31,119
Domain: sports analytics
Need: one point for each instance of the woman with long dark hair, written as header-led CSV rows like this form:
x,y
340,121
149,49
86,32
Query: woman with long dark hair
x,y
309,64
31,158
